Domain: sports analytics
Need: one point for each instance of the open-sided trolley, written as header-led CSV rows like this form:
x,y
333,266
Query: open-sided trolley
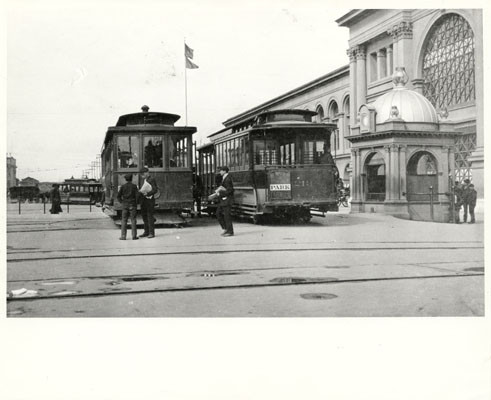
x,y
149,139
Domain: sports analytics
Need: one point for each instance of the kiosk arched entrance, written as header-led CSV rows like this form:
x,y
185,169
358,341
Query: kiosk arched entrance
x,y
422,174
375,176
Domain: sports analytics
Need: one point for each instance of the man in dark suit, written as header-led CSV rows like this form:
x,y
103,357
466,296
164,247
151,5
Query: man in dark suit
x,y
127,196
148,190
225,200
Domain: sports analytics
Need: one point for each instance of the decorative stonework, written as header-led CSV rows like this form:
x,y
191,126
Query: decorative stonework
x,y
403,30
361,53
351,52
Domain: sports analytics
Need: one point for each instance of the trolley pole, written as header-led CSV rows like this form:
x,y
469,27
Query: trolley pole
x,y
20,199
44,204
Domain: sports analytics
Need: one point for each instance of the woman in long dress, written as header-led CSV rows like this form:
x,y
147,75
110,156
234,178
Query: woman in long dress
x,y
55,199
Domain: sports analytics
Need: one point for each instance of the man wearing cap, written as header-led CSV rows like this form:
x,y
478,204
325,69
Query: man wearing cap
x,y
470,198
127,196
465,192
148,190
225,200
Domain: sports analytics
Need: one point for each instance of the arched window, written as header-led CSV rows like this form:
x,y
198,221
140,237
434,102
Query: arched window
x,y
333,118
448,62
320,114
346,121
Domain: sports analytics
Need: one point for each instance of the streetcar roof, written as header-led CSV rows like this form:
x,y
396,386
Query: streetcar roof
x,y
150,129
273,126
146,121
273,118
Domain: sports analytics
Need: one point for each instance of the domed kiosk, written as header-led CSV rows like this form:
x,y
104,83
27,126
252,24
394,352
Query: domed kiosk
x,y
402,156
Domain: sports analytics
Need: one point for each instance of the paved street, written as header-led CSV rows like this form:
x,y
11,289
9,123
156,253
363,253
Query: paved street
x,y
344,265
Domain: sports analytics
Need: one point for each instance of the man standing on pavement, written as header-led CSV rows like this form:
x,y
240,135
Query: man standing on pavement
x,y
225,200
465,203
470,197
457,200
127,196
148,190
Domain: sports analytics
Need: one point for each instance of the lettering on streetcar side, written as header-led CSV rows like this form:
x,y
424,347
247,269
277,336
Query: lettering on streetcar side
x,y
280,186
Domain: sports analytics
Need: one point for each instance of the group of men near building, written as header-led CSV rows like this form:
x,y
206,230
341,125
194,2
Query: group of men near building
x,y
465,196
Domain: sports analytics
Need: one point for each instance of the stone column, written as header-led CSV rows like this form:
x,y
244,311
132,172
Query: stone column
x,y
402,170
405,48
352,87
388,174
395,172
356,176
361,77
443,179
395,50
381,64
390,61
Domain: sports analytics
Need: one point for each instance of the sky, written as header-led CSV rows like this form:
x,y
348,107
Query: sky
x,y
74,67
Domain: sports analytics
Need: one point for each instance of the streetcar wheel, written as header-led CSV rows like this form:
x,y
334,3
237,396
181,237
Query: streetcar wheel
x,y
306,219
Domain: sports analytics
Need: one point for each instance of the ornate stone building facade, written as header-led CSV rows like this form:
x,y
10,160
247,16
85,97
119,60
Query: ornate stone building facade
x,y
442,53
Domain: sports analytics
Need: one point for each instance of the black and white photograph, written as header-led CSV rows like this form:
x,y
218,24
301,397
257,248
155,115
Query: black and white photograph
x,y
189,174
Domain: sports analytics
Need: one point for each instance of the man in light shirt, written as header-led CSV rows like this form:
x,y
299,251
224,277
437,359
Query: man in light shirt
x,y
148,190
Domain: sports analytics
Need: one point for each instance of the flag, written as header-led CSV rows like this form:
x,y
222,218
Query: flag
x,y
190,64
189,53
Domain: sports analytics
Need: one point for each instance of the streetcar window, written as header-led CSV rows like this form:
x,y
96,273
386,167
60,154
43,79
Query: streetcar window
x,y
315,152
240,152
178,152
152,151
265,152
128,154
287,153
246,151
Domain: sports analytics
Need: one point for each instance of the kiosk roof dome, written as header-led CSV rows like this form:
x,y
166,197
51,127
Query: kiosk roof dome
x,y
404,104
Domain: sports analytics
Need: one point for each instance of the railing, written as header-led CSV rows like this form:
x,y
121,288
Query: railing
x,y
431,196
20,200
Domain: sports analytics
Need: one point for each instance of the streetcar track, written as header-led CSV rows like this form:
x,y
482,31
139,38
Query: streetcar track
x,y
201,252
239,286
32,251
242,270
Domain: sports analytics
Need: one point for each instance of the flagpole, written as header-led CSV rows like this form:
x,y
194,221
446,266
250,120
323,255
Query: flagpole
x,y
185,83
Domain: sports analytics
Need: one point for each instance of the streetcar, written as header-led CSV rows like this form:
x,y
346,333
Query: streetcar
x,y
80,191
149,139
281,165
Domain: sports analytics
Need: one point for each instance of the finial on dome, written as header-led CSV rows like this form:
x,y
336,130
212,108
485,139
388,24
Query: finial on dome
x,y
145,108
400,78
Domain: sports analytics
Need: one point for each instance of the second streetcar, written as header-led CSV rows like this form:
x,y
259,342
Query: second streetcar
x,y
280,162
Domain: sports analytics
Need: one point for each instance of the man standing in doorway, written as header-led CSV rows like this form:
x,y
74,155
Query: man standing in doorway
x,y
225,200
148,190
